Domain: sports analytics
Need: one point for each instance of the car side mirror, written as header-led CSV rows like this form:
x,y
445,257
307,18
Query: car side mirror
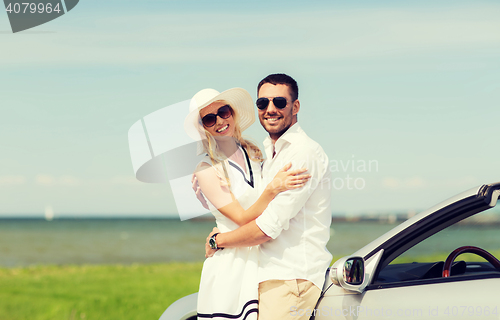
x,y
349,273
354,271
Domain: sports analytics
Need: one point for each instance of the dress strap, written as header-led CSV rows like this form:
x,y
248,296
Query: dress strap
x,y
251,182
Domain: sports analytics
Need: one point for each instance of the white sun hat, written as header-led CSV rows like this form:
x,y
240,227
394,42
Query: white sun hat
x,y
239,99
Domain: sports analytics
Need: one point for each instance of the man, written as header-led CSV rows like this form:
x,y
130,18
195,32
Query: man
x,y
294,229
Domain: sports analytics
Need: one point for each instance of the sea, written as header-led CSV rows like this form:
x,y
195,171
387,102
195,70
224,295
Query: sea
x,y
25,242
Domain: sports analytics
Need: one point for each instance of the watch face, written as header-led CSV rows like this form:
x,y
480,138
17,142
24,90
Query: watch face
x,y
212,243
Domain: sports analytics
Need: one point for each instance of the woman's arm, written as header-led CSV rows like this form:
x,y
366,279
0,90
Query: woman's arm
x,y
222,198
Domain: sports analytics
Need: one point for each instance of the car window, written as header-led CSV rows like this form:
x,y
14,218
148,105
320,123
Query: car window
x,y
426,260
480,230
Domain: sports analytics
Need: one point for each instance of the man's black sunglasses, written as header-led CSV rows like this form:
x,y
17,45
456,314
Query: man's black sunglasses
x,y
210,119
279,102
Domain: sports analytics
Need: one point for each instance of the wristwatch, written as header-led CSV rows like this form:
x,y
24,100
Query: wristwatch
x,y
213,243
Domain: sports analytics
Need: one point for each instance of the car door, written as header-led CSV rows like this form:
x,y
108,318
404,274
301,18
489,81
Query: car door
x,y
436,299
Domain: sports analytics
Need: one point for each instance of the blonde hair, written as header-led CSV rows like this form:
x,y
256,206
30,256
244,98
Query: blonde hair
x,y
219,159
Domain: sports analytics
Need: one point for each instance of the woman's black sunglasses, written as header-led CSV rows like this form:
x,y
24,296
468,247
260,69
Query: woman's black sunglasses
x,y
210,119
279,102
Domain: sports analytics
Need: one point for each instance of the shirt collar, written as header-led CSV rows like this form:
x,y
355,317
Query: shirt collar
x,y
285,138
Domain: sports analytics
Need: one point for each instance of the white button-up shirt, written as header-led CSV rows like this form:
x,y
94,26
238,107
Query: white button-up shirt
x,y
298,220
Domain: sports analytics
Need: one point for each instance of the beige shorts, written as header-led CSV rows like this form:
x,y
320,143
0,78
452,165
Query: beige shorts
x,y
287,299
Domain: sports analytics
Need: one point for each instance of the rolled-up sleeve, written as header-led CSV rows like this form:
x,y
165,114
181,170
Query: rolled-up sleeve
x,y
286,205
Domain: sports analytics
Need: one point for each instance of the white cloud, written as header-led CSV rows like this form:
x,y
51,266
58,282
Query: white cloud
x,y
68,180
45,180
391,182
12,180
410,183
48,180
415,182
128,180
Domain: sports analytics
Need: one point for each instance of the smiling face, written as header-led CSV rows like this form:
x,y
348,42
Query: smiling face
x,y
222,127
277,121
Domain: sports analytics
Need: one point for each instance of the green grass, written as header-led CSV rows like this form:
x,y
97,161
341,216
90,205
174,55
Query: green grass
x,y
114,292
94,291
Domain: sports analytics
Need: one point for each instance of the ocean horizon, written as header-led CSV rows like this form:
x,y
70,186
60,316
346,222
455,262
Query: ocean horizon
x,y
104,240
26,241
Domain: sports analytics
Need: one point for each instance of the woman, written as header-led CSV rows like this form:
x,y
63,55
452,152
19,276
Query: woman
x,y
228,177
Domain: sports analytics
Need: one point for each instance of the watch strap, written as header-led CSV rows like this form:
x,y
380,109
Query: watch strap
x,y
214,240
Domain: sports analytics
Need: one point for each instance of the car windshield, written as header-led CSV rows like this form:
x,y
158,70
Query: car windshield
x,y
427,258
481,230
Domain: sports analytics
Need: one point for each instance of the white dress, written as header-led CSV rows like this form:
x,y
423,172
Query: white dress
x,y
228,286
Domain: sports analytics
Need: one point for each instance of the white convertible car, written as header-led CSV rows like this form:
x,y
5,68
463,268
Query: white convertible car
x,y
379,281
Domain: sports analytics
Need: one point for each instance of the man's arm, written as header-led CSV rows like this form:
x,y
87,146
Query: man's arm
x,y
245,236
287,205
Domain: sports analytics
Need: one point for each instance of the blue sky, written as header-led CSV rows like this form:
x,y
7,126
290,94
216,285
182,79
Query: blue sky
x,y
413,87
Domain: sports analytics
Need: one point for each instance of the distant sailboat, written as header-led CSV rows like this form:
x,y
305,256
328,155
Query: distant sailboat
x,y
49,213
